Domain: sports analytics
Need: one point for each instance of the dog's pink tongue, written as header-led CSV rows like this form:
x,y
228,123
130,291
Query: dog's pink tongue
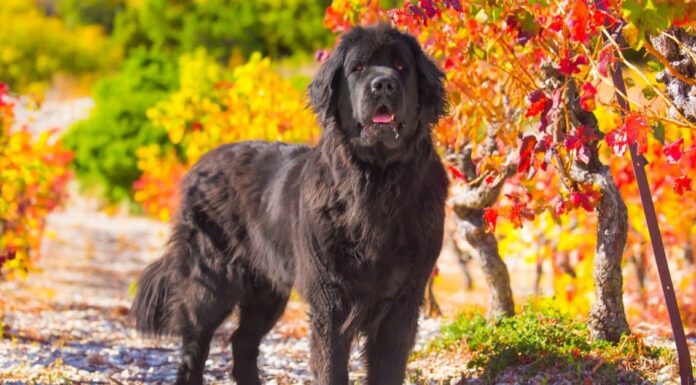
x,y
382,118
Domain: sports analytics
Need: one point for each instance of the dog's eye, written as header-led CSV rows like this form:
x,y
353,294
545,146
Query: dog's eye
x,y
400,66
358,67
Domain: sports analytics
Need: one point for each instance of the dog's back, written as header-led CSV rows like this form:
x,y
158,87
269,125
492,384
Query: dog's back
x,y
218,236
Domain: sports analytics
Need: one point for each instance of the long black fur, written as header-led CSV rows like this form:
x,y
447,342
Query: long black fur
x,y
355,223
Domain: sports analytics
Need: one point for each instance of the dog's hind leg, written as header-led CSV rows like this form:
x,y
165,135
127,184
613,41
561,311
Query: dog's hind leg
x,y
206,297
206,306
185,294
259,310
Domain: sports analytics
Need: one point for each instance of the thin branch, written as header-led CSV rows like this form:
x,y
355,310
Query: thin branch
x,y
651,50
477,181
665,119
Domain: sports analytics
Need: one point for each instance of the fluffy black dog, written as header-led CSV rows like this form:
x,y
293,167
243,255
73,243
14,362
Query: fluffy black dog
x,y
355,223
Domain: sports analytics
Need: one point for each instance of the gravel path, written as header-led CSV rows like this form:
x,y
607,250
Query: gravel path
x,y
66,323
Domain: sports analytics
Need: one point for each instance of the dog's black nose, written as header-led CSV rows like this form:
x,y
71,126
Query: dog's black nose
x,y
383,85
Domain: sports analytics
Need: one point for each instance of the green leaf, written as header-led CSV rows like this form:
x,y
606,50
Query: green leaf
x,y
648,93
654,66
647,16
658,131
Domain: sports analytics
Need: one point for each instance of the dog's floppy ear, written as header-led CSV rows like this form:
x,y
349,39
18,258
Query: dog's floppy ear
x,y
322,89
432,97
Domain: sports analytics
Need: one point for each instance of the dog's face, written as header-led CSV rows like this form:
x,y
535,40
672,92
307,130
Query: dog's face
x,y
381,92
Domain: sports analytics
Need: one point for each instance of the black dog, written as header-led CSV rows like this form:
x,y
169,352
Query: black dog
x,y
355,223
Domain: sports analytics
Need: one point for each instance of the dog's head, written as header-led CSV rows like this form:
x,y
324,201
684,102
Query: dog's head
x,y
381,91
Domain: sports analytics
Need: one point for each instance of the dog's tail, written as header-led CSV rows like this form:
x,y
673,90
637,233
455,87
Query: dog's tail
x,y
155,304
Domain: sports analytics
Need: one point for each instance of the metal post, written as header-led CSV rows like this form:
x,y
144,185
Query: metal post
x,y
639,163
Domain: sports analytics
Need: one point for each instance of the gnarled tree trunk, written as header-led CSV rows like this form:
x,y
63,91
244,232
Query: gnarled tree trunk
x,y
484,247
680,71
469,202
607,316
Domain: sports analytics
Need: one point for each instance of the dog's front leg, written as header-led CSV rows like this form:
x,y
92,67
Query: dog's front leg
x,y
330,346
388,349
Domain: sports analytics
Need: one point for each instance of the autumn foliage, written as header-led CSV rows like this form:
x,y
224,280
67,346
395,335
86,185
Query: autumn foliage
x,y
510,67
215,106
32,184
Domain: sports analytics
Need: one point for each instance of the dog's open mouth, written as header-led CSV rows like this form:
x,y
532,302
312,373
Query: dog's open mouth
x,y
383,121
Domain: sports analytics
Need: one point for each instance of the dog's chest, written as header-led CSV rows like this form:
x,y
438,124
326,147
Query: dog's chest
x,y
380,261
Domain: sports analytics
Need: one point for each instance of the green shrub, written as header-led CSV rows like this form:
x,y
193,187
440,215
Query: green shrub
x,y
106,142
541,335
272,27
34,47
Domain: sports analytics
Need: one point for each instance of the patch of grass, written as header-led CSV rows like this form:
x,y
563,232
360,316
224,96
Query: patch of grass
x,y
542,337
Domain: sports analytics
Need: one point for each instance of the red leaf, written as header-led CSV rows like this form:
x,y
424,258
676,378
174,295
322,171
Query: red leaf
x,y
605,61
4,90
489,179
550,112
601,17
636,126
544,144
616,139
581,136
490,218
577,21
518,212
570,66
587,96
538,103
449,64
682,184
582,199
674,151
430,8
556,24
456,173
526,153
